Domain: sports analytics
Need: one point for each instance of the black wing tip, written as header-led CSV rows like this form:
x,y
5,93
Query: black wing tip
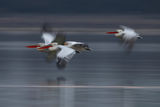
x,y
61,63
60,38
46,27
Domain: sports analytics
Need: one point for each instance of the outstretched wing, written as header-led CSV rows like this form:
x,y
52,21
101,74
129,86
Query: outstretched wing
x,y
48,37
64,55
46,27
125,28
60,38
47,34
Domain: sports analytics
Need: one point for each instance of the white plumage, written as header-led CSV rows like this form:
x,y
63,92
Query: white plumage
x,y
65,53
129,33
48,38
58,48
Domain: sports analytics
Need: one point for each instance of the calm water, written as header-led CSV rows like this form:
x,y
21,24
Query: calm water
x,y
26,79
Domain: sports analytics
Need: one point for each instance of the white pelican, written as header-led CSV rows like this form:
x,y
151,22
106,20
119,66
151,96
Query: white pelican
x,y
56,47
127,35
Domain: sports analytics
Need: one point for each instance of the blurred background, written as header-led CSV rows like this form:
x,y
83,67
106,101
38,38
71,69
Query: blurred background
x,y
106,76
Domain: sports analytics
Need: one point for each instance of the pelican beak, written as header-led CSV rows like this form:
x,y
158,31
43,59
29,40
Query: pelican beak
x,y
111,32
33,46
45,47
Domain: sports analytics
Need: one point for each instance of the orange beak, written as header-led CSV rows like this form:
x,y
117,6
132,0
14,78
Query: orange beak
x,y
44,47
111,32
32,46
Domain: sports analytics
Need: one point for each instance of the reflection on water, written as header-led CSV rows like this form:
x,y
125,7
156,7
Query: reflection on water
x,y
71,97
58,81
106,65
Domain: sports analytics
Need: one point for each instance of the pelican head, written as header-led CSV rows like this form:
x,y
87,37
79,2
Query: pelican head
x,y
117,33
54,44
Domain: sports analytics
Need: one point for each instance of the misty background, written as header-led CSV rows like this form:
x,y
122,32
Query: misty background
x,y
80,15
106,76
79,7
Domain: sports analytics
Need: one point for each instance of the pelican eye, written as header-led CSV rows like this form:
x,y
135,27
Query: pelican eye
x,y
65,43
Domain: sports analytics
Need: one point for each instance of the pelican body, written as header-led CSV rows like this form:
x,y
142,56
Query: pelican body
x,y
127,35
56,47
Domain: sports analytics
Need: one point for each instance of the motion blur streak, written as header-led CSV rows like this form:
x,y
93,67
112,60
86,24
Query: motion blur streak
x,y
104,77
80,86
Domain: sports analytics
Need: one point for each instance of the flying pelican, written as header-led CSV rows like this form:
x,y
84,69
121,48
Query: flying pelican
x,y
127,35
56,46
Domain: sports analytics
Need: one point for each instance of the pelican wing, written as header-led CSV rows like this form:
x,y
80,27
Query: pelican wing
x,y
66,53
46,27
129,32
47,34
48,37
126,28
60,38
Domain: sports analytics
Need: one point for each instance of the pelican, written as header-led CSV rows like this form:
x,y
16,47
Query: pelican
x,y
56,46
127,35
